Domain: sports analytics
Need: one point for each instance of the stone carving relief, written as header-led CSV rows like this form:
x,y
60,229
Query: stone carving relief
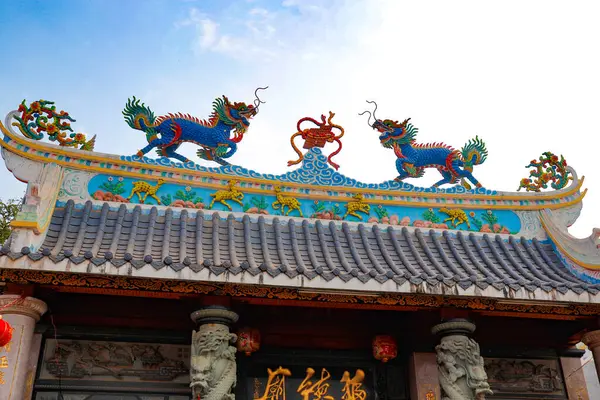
x,y
524,376
531,227
213,367
75,186
115,361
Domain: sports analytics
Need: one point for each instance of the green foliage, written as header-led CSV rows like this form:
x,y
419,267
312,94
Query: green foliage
x,y
431,216
381,212
318,207
335,210
113,187
8,212
188,196
261,204
490,217
476,222
166,200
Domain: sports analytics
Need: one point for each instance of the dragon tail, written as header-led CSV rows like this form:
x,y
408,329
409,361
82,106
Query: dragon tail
x,y
89,145
139,117
474,153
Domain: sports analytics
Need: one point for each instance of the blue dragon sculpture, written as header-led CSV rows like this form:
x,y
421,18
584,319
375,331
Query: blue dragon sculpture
x,y
168,132
414,158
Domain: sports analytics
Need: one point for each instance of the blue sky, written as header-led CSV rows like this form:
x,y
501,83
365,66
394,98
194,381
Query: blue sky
x,y
524,76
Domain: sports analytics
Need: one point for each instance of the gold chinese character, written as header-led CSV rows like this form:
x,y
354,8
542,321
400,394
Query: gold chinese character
x,y
3,362
6,347
430,395
2,382
318,389
275,389
352,387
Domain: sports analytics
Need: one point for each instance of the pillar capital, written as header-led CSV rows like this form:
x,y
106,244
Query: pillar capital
x,y
457,326
28,306
214,315
592,339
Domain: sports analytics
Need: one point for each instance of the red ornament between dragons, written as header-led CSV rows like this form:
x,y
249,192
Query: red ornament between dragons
x,y
317,137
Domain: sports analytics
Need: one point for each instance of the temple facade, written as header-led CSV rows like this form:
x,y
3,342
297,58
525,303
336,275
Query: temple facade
x,y
141,277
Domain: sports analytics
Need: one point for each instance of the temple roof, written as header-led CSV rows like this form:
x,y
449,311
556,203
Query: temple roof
x,y
229,243
311,228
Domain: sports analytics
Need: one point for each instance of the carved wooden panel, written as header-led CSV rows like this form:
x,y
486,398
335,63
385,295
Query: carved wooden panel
x,y
525,378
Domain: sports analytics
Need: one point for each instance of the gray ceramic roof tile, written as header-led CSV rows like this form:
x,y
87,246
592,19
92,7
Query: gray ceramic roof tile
x,y
178,240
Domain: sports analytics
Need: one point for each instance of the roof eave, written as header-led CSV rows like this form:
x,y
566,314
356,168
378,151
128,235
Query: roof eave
x,y
92,275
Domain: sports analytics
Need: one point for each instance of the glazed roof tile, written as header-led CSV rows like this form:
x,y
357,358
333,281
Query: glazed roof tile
x,y
179,239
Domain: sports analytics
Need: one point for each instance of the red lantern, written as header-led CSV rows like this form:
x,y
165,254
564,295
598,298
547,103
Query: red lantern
x,y
5,332
384,348
248,340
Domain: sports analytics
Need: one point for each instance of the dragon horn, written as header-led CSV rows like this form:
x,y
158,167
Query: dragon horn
x,y
370,114
258,101
375,110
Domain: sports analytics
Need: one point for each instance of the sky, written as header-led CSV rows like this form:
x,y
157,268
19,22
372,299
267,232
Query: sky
x,y
523,76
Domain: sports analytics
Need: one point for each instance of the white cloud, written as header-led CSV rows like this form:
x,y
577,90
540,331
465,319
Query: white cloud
x,y
208,34
206,29
255,33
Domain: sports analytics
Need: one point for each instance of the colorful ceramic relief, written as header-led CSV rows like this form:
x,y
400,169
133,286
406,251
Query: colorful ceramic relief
x,y
317,137
41,116
549,169
237,196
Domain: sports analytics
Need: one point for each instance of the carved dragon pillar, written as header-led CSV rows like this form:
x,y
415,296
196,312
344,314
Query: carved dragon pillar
x,y
212,366
461,372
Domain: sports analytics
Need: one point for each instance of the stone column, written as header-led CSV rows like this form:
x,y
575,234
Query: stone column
x,y
592,341
22,315
424,380
212,366
460,365
574,378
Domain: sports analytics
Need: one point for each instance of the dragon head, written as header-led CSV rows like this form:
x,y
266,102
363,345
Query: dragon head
x,y
237,115
392,133
241,111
